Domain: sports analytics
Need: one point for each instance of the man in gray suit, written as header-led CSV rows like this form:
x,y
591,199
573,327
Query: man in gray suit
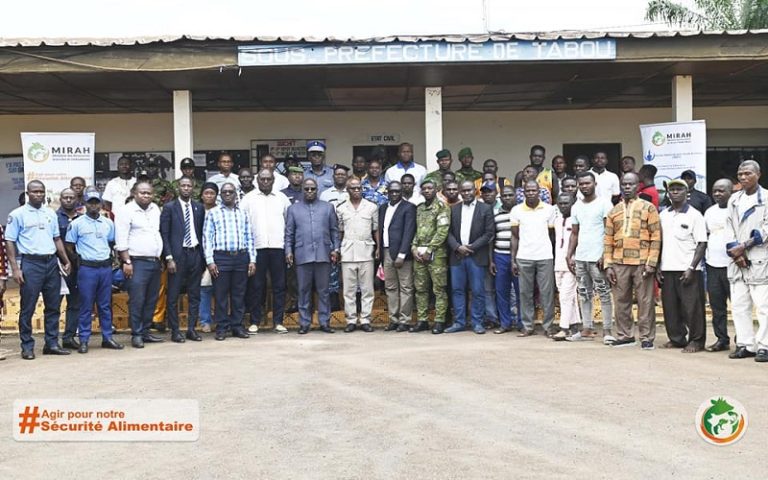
x,y
311,245
469,238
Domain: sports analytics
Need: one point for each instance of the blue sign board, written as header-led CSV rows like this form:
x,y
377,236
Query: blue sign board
x,y
425,52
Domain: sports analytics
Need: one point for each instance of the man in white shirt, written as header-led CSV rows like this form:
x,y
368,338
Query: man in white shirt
x,y
718,287
225,175
119,188
269,162
683,243
266,209
565,280
139,244
607,182
406,165
409,194
338,192
532,222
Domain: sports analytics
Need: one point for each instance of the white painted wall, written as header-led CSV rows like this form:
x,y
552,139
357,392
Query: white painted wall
x,y
505,136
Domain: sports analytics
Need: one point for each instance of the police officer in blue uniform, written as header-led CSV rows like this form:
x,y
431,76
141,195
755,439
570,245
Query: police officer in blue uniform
x,y
66,214
318,171
89,239
33,240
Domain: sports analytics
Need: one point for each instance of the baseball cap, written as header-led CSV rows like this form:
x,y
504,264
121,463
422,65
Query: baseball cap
x,y
92,195
187,163
488,186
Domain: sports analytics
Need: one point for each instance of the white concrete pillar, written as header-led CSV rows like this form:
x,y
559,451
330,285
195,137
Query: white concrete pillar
x,y
682,98
182,128
433,125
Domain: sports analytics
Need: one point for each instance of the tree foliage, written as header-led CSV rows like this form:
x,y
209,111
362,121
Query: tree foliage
x,y
711,14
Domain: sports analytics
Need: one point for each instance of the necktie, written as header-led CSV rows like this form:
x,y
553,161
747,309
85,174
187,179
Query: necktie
x,y
187,227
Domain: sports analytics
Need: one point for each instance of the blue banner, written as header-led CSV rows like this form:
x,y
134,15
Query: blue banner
x,y
425,52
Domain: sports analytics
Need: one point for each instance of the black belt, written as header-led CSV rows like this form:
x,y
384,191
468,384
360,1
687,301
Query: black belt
x,y
145,259
231,253
44,258
96,263
191,248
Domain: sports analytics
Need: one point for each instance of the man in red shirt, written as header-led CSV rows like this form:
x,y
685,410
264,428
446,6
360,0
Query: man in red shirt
x,y
647,189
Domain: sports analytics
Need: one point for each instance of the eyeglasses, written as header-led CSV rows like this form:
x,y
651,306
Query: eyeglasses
x,y
354,189
310,189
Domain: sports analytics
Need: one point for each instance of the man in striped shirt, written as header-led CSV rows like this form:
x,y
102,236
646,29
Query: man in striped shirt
x,y
507,285
231,258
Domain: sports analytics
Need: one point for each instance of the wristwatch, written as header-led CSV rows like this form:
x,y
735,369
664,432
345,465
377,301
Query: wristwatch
x,y
127,262
169,258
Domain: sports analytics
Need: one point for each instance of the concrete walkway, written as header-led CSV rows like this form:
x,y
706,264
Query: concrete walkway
x,y
387,405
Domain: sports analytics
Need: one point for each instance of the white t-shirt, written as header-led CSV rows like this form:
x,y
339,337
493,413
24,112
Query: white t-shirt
x,y
396,172
590,217
715,218
563,227
680,233
534,225
117,190
607,184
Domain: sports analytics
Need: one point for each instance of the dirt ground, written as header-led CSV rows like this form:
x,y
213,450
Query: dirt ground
x,y
398,405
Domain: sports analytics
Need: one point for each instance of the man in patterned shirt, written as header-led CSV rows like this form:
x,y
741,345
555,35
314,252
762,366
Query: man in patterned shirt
x,y
632,247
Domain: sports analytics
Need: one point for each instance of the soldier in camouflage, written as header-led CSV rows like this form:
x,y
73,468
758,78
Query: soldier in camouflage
x,y
433,218
444,162
188,170
162,191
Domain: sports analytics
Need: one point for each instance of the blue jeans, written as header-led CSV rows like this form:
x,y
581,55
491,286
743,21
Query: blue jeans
x,y
206,295
468,272
143,289
95,285
40,276
507,292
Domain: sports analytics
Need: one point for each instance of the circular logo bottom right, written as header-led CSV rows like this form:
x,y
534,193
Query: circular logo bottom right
x,y
721,420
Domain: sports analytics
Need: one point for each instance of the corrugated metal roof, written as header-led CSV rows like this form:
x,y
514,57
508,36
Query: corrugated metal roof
x,y
453,38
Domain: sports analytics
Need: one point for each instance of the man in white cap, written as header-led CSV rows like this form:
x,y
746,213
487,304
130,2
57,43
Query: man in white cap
x,y
318,171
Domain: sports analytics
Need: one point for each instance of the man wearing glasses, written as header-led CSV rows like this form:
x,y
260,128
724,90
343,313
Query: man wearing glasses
x,y
312,245
359,231
318,171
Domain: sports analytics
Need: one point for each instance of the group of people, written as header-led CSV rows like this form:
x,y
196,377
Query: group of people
x,y
503,245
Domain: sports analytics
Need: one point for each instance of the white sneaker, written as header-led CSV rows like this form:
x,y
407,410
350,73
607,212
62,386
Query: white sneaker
x,y
559,336
576,337
281,329
253,330
206,328
609,340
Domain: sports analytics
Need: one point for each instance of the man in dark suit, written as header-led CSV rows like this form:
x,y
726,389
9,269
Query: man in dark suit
x,y
397,227
311,245
181,226
469,240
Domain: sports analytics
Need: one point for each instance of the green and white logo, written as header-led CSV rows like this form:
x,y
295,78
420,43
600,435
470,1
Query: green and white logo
x,y
658,139
38,153
721,420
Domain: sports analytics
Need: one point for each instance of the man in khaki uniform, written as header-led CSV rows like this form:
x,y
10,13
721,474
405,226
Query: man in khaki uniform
x,y
359,230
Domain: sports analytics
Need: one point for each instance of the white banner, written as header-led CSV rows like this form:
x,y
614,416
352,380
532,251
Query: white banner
x,y
54,158
675,147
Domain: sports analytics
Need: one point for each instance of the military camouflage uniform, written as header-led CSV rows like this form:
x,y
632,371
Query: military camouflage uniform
x,y
162,192
197,189
470,174
432,224
437,177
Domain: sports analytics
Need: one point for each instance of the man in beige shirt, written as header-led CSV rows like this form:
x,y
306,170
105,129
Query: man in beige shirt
x,y
359,230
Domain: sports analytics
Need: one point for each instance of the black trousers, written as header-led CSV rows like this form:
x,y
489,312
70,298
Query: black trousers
x,y
268,261
719,289
189,271
229,290
684,308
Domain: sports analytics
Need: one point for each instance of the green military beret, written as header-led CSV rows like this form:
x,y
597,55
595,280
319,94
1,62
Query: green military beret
x,y
443,153
466,151
426,181
295,170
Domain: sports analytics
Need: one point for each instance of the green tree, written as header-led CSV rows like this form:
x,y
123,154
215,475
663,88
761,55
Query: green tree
x,y
711,14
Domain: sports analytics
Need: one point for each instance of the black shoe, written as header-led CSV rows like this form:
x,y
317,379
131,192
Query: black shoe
x,y
335,304
304,329
27,354
351,327
158,327
438,328
741,352
177,337
419,327
391,327
220,336
366,327
70,343
240,333
403,327
718,346
83,348
55,350
149,338
326,329
194,336
137,342
761,355
111,344
501,330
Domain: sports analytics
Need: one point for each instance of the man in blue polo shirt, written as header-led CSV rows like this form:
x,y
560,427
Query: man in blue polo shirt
x,y
33,241
318,170
89,239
